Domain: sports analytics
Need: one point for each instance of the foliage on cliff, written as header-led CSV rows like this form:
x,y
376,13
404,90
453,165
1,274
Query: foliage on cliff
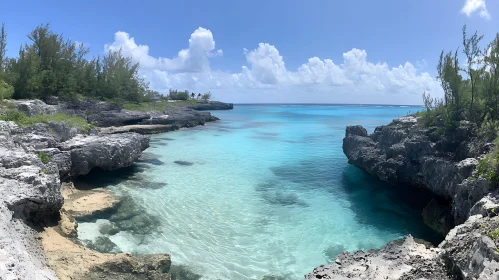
x,y
23,120
471,92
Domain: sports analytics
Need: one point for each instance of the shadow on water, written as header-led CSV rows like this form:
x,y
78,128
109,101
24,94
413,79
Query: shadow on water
x,y
390,208
376,204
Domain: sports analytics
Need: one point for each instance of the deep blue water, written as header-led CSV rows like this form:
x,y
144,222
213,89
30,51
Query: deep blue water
x,y
265,191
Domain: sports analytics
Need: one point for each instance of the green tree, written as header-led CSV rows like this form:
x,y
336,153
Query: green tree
x,y
3,48
471,49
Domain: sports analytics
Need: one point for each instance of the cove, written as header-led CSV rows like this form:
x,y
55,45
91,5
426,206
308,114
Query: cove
x,y
264,192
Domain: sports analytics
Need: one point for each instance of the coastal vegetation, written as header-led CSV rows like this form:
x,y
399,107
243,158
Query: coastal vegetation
x,y
50,65
43,157
471,96
471,88
23,120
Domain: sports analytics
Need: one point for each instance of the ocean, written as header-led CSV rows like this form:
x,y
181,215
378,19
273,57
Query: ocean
x,y
266,191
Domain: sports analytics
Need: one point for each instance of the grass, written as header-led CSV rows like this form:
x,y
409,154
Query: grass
x,y
494,235
488,167
158,106
43,157
23,120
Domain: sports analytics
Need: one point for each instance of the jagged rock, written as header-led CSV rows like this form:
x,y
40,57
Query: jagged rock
x,y
20,254
404,153
108,152
35,107
182,117
27,186
437,216
212,105
468,250
29,194
395,261
488,206
117,118
68,225
150,267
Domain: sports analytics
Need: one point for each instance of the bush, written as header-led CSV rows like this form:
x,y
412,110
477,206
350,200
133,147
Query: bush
x,y
23,120
6,91
178,95
43,157
488,167
206,96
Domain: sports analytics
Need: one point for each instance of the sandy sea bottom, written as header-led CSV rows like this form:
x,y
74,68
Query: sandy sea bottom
x,y
266,191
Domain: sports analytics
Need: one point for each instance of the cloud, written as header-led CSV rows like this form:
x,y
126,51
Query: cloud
x,y
474,6
193,59
265,77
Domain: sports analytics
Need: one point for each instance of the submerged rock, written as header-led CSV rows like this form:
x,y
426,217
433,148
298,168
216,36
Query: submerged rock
x,y
183,162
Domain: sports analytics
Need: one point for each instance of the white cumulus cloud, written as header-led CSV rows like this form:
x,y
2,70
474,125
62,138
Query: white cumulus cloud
x,y
265,78
476,6
193,59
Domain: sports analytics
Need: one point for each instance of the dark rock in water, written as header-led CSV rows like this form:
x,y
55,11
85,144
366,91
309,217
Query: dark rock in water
x,y
133,218
166,138
183,272
148,267
183,162
273,277
212,105
283,199
150,158
152,185
102,244
109,229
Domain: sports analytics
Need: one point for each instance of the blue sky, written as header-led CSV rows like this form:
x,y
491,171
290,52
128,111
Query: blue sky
x,y
311,51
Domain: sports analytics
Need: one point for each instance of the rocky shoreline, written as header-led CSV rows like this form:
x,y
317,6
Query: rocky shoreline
x,y
407,155
38,203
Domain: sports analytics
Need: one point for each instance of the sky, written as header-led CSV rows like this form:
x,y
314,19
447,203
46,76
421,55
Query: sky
x,y
314,51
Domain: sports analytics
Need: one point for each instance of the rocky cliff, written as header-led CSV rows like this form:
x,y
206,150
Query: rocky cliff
x,y
32,162
406,155
104,114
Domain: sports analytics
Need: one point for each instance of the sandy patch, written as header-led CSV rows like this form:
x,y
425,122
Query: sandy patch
x,y
67,259
80,203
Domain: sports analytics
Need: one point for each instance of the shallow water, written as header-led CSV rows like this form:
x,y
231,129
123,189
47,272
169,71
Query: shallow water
x,y
265,191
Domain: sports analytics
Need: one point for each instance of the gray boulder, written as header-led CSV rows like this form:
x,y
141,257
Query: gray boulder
x,y
35,107
406,154
405,259
470,252
109,152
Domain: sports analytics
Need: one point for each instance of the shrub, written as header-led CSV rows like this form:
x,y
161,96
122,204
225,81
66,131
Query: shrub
x,y
6,91
23,120
43,157
178,95
488,167
206,96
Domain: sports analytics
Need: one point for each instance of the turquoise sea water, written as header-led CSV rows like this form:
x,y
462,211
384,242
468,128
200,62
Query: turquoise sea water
x,y
265,191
